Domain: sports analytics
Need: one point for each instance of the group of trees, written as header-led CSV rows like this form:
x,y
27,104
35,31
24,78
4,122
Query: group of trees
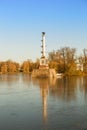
x,y
64,60
14,67
28,66
9,67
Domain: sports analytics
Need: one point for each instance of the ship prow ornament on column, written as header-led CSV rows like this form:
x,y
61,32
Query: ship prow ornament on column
x,y
43,71
43,59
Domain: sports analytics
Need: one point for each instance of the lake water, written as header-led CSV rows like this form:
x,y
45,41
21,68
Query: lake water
x,y
43,104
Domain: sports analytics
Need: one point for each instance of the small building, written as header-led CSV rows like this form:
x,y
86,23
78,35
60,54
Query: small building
x,y
80,67
85,67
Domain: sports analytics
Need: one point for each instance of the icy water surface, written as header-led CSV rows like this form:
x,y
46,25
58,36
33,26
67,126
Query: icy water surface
x,y
43,104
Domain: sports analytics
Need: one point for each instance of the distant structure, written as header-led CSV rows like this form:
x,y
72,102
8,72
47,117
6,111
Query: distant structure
x,y
43,59
43,45
43,71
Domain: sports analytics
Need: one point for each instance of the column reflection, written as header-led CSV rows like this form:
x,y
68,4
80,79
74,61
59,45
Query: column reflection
x,y
44,93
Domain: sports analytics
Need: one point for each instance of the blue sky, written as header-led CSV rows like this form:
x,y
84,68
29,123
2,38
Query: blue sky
x,y
23,21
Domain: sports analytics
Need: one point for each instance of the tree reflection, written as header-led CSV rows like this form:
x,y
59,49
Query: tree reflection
x,y
85,86
66,89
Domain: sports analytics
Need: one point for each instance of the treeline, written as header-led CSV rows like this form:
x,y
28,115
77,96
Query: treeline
x,y
8,67
14,67
63,60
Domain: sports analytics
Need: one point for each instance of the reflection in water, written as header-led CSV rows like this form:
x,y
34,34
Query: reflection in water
x,y
44,85
44,88
61,102
44,92
67,89
85,87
